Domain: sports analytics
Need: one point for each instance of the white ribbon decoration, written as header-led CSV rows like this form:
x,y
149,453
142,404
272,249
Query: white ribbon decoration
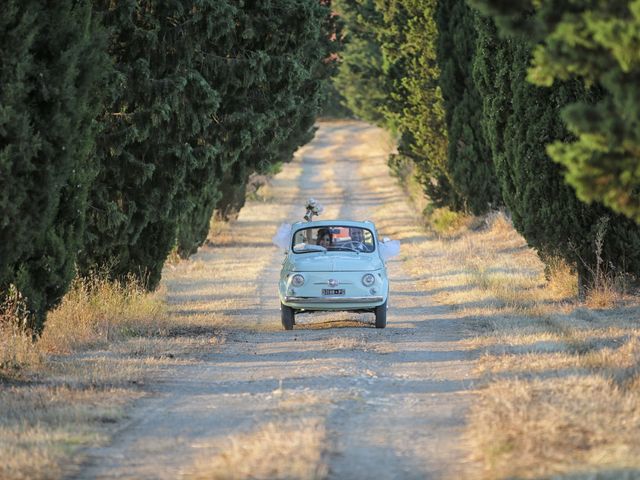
x,y
282,238
389,249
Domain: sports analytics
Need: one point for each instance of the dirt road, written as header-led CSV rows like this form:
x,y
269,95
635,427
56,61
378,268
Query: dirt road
x,y
334,398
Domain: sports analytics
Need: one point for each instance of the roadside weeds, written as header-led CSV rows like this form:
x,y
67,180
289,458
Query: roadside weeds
x,y
560,379
69,388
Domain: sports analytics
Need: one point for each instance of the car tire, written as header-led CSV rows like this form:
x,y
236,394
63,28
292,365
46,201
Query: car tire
x,y
381,315
288,317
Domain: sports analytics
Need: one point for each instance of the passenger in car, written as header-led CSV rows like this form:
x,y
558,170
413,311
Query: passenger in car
x,y
325,238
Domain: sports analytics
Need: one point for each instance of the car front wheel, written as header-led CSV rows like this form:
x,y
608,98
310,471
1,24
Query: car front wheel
x,y
381,315
288,317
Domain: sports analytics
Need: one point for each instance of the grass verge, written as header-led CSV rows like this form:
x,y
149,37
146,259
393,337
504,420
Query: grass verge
x,y
69,388
560,385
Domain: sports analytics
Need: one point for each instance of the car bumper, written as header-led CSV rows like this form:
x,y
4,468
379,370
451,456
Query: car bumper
x,y
332,300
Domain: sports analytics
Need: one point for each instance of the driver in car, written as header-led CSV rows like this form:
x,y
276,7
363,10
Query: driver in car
x,y
357,237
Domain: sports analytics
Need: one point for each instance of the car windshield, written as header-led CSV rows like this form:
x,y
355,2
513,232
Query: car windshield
x,y
333,238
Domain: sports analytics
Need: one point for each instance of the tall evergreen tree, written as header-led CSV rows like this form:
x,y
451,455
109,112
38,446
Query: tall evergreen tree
x,y
155,131
408,42
389,76
469,161
53,63
598,43
519,120
361,78
281,104
206,93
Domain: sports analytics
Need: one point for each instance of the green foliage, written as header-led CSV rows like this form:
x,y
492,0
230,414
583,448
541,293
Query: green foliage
x,y
53,63
415,107
444,221
389,77
205,95
598,43
273,113
152,134
335,105
520,119
361,78
469,161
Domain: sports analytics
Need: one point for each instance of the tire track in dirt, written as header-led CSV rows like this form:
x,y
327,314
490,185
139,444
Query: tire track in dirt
x,y
391,401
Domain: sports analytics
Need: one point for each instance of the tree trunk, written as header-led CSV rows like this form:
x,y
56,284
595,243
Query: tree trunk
x,y
585,280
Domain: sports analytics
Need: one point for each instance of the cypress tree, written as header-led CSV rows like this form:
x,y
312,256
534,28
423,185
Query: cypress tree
x,y
519,120
287,89
53,63
598,43
389,76
361,78
335,104
408,43
602,162
154,132
469,161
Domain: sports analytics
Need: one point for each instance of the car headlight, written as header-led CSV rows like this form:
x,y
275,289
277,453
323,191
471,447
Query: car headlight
x,y
297,280
368,280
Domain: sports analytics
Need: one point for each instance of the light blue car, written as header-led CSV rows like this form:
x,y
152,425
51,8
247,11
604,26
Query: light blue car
x,y
333,266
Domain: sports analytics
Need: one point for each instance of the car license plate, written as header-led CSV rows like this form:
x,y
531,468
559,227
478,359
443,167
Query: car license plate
x,y
333,291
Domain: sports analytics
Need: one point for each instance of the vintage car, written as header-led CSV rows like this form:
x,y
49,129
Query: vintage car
x,y
333,265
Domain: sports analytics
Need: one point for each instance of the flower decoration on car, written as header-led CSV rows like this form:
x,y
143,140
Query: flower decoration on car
x,y
313,208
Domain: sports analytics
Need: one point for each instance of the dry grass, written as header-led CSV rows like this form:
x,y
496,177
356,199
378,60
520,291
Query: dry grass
x,y
41,425
220,232
605,294
291,444
284,449
61,405
16,351
574,424
562,281
16,343
560,391
68,388
96,312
